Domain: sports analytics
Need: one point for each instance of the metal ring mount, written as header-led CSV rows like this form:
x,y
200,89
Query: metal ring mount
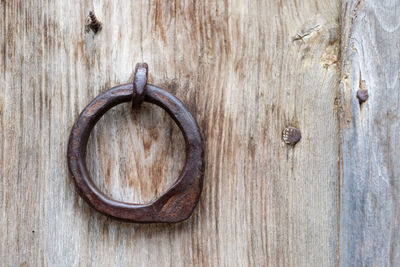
x,y
139,84
179,201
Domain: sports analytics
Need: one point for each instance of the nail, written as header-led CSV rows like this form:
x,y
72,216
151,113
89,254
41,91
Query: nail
x,y
362,95
291,135
95,24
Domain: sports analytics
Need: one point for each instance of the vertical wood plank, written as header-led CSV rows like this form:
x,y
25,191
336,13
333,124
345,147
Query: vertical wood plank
x,y
246,69
370,174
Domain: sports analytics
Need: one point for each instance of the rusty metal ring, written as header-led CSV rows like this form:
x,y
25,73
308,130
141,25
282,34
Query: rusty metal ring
x,y
179,201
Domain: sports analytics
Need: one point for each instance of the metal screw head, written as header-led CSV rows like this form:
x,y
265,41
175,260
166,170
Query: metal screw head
x,y
362,95
291,135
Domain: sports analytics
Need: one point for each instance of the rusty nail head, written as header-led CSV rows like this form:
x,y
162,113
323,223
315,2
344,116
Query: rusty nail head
x,y
95,24
291,135
362,95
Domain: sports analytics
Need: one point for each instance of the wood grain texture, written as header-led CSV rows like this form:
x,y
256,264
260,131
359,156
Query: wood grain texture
x,y
370,140
245,69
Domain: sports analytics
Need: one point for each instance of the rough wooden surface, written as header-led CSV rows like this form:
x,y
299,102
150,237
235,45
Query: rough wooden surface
x,y
246,69
370,172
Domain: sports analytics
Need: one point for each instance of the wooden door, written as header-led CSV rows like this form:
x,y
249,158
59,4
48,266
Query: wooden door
x,y
246,70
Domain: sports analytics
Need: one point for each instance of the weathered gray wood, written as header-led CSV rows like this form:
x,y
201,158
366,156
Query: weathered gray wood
x,y
370,172
245,68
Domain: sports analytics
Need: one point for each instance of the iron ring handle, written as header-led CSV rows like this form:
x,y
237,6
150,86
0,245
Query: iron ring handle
x,y
179,201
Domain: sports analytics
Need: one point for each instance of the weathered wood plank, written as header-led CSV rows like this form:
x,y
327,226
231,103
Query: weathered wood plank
x,y
246,69
370,174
